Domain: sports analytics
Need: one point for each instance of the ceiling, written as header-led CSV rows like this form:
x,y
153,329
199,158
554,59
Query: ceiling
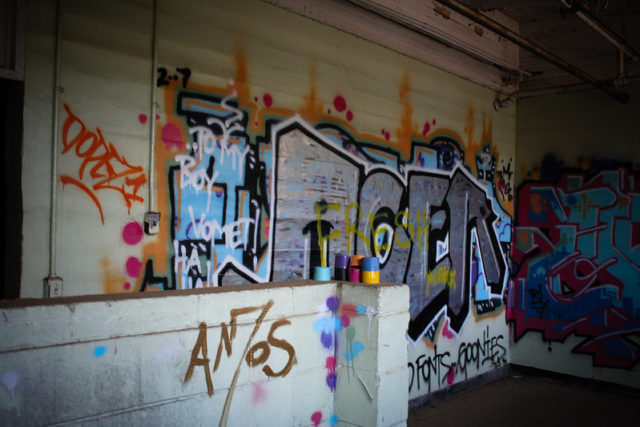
x,y
554,27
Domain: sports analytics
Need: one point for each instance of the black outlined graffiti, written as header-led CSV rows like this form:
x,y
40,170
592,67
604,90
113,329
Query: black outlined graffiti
x,y
252,208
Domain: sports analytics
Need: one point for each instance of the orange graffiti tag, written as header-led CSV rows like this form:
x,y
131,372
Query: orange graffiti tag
x,y
108,170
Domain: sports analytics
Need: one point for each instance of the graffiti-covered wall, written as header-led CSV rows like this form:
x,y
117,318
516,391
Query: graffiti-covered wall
x,y
277,143
574,296
259,356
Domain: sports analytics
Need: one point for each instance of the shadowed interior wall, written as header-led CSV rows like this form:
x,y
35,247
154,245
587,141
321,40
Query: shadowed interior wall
x,y
574,297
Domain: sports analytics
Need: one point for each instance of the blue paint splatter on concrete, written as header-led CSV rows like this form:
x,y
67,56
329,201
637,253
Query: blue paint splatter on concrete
x,y
356,348
327,325
333,420
99,351
361,309
10,380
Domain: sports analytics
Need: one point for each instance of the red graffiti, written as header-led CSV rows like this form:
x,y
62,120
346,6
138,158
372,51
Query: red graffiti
x,y
108,169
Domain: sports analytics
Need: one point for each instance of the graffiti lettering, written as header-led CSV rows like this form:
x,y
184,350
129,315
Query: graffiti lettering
x,y
253,355
489,350
576,248
108,169
247,208
439,365
441,368
164,78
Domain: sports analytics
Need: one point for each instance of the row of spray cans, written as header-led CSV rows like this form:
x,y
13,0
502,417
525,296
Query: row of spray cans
x,y
355,268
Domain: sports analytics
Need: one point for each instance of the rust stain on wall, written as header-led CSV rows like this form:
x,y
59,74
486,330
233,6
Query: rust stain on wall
x,y
406,128
111,280
312,108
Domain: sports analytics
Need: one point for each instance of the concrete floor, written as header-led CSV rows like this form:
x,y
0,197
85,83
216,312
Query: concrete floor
x,y
526,400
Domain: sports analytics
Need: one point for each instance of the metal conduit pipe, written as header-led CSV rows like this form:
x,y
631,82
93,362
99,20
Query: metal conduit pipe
x,y
602,28
154,106
54,154
524,43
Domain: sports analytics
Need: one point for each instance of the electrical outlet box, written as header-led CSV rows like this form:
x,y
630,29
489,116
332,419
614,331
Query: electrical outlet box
x,y
53,287
152,222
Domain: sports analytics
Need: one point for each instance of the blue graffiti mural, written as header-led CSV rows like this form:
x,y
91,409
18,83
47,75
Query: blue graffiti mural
x,y
253,208
577,247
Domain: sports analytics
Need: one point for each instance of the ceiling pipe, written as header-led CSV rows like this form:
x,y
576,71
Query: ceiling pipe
x,y
524,43
612,36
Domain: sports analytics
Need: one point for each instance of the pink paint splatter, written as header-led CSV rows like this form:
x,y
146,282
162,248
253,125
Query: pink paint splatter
x,y
127,285
132,233
434,122
349,115
259,394
339,103
255,98
331,364
133,266
426,128
157,116
316,417
386,134
267,99
142,118
451,375
171,136
328,110
345,321
446,332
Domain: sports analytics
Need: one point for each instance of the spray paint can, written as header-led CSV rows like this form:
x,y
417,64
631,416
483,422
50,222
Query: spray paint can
x,y
355,268
322,273
341,267
370,270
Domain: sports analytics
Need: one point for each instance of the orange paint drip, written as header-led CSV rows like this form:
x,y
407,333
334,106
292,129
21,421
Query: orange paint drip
x,y
486,138
312,110
112,281
471,147
406,128
241,81
487,130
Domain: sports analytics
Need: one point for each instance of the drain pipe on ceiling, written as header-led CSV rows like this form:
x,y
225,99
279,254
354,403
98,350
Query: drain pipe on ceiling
x,y
516,38
53,283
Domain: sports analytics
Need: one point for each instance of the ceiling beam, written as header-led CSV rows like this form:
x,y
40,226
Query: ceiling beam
x,y
524,43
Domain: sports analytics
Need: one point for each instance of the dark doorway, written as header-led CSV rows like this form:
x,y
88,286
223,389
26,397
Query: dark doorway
x,y
11,104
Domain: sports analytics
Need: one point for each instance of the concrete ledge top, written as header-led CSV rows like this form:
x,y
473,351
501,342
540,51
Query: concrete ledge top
x,y
30,302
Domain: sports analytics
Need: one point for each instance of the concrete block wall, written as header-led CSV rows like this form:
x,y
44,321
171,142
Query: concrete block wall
x,y
144,359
